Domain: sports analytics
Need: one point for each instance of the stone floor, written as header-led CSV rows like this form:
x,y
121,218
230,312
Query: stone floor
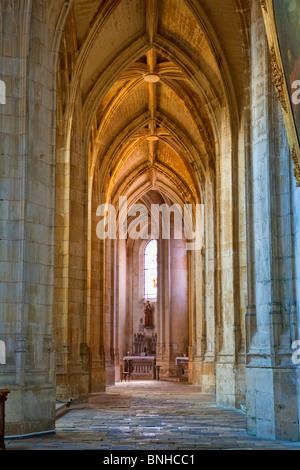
x,y
150,416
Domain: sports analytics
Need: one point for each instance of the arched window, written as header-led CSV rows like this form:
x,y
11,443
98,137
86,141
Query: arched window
x,y
150,270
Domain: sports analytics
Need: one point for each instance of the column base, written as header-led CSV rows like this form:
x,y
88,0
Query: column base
x,y
203,375
230,385
74,385
272,403
110,374
30,410
97,378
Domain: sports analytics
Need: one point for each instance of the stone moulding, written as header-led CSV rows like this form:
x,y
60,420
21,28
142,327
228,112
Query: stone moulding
x,y
264,5
278,79
296,166
280,84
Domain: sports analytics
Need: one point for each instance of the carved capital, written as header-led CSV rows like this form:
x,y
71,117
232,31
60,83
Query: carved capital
x,y
278,79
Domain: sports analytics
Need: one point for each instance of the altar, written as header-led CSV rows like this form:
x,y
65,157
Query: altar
x,y
140,367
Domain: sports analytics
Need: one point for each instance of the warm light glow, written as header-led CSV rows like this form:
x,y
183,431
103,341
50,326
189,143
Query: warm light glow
x,y
152,78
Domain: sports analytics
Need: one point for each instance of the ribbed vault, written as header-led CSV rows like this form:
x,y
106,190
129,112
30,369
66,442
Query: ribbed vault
x,y
175,40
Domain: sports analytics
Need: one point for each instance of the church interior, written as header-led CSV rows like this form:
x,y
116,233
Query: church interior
x,y
167,103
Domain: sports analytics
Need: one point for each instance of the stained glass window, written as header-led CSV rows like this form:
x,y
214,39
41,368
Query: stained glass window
x,y
150,260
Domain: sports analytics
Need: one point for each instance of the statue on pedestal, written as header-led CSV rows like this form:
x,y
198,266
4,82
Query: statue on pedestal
x,y
148,315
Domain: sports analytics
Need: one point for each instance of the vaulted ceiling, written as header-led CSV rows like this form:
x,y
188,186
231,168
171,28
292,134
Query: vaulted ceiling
x,y
153,78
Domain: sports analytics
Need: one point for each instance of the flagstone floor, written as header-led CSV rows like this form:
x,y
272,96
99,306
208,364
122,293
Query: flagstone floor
x,y
150,416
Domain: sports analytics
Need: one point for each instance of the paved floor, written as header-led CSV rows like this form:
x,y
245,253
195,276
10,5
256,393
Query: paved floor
x,y
150,416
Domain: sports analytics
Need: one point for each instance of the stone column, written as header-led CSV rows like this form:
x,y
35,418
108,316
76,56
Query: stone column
x,y
179,308
108,315
164,339
122,297
27,190
197,327
204,294
129,296
95,298
271,377
296,211
116,312
230,371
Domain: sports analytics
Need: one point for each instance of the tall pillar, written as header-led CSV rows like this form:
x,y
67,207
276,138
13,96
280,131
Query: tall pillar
x,y
271,377
203,292
179,308
164,286
230,369
27,171
97,379
108,315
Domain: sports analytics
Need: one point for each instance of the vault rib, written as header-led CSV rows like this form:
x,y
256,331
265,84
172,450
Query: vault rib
x,y
152,27
151,19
